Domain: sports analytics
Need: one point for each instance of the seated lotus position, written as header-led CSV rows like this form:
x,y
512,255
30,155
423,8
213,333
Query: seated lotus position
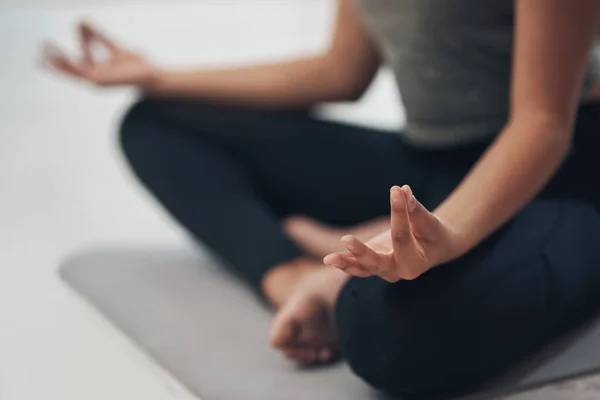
x,y
431,259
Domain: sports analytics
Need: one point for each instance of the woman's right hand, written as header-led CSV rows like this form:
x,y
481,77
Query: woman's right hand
x,y
118,67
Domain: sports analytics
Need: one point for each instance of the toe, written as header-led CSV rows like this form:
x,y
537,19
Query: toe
x,y
290,352
308,330
324,355
307,355
302,355
298,325
303,327
283,330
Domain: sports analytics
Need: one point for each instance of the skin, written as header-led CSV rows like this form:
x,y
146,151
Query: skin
x,y
342,73
551,45
552,41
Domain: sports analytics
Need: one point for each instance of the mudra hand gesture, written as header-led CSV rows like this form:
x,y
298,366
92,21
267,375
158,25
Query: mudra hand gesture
x,y
416,242
119,67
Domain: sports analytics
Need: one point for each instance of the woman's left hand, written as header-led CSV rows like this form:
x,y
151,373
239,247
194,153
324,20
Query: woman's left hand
x,y
416,242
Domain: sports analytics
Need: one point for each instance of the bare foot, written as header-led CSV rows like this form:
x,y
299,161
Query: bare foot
x,y
320,239
280,282
303,328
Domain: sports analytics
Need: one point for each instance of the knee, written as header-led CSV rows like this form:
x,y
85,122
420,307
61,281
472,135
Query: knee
x,y
389,355
142,135
573,256
149,123
133,126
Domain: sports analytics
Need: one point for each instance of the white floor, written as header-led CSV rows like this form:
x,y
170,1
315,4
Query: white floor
x,y
63,185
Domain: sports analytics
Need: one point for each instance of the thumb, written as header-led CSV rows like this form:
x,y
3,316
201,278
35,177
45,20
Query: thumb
x,y
91,34
424,225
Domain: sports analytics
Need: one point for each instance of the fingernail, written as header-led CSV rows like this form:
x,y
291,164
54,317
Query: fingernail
x,y
398,200
412,203
410,197
328,261
394,194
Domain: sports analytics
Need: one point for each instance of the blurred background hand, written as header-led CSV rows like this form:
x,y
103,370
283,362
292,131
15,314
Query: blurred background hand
x,y
116,66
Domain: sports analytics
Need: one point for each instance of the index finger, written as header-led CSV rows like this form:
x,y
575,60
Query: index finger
x,y
57,59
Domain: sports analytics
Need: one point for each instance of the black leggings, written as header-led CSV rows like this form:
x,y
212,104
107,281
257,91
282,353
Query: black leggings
x,y
229,176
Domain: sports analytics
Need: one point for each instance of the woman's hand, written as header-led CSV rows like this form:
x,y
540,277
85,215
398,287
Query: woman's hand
x,y
416,242
119,67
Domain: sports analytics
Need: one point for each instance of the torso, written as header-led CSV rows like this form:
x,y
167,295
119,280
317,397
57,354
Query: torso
x,y
452,62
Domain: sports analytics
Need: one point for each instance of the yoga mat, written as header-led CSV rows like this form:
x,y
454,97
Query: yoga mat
x,y
210,332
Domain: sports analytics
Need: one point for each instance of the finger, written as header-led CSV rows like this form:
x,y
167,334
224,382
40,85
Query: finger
x,y
347,263
56,59
405,251
366,257
68,67
50,51
94,35
423,223
340,260
358,272
43,62
85,42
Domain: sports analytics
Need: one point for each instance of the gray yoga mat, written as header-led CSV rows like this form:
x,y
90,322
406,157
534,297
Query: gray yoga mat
x,y
210,332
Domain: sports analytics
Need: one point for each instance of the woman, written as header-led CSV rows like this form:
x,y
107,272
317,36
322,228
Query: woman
x,y
499,255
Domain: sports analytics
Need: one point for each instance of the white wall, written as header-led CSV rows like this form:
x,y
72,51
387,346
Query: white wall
x,y
37,4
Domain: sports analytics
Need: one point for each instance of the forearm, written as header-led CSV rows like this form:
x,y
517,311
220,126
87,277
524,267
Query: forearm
x,y
513,170
343,72
288,85
552,42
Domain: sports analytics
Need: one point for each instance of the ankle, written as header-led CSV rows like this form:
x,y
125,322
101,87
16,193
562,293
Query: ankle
x,y
279,282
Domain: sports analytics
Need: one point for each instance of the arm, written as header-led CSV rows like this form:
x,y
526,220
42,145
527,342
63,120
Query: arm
x,y
343,73
553,38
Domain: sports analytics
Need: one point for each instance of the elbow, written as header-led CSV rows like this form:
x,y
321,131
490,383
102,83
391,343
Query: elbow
x,y
348,82
348,93
353,91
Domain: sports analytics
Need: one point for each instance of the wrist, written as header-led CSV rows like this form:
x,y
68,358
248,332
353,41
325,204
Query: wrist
x,y
156,81
460,242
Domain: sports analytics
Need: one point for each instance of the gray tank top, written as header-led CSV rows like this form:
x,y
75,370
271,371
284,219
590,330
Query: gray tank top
x,y
452,63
